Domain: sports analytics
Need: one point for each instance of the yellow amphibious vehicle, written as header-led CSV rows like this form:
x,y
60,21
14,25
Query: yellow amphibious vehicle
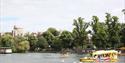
x,y
102,55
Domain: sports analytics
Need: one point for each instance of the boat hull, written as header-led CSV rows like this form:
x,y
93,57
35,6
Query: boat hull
x,y
94,60
87,60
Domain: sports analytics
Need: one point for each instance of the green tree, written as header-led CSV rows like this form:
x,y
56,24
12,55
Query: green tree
x,y
99,33
49,37
114,29
122,32
52,37
107,33
0,41
32,41
42,42
23,46
7,40
17,41
53,31
66,39
56,44
79,32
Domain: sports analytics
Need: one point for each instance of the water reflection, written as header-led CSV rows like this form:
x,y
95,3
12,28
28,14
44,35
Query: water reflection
x,y
45,58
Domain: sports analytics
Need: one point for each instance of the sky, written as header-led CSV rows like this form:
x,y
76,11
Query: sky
x,y
39,15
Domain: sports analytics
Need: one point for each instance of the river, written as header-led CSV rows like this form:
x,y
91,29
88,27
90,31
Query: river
x,y
44,58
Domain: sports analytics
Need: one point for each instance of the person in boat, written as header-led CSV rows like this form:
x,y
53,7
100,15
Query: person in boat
x,y
95,57
105,57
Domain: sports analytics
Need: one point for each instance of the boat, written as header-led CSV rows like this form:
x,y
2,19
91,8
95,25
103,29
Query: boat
x,y
5,50
87,59
102,55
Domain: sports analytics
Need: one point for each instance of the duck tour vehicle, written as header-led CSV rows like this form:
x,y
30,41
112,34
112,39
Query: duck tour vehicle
x,y
101,55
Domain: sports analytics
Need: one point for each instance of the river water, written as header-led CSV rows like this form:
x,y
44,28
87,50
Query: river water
x,y
44,58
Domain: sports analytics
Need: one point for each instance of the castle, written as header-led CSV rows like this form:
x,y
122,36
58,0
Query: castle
x,y
17,31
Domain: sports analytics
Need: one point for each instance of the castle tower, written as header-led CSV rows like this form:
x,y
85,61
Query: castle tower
x,y
17,31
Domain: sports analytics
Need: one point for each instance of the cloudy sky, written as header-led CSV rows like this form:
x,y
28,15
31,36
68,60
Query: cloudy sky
x,y
38,15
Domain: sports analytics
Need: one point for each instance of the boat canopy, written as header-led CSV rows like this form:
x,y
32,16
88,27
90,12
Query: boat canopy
x,y
104,52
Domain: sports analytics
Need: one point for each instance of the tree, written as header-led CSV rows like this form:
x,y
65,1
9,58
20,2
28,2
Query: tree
x,y
79,32
123,11
42,42
51,35
23,46
122,33
113,30
66,39
7,40
32,41
99,33
48,36
107,33
0,41
53,31
56,44
18,46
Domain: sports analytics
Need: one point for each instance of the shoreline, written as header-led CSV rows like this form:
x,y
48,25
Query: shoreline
x,y
122,54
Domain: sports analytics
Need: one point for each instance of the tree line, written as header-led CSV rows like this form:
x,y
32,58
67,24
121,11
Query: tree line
x,y
107,34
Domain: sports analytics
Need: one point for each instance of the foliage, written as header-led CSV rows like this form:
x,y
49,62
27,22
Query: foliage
x,y
7,40
23,46
56,44
79,32
42,42
107,34
49,37
113,30
99,33
53,31
32,41
122,33
66,39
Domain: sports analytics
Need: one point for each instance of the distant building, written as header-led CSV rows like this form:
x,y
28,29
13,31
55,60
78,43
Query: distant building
x,y
1,33
34,34
17,31
39,33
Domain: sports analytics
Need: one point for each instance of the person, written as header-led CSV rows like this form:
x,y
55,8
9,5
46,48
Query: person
x,y
99,58
95,56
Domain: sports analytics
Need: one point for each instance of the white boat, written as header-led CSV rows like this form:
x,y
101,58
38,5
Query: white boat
x,y
5,50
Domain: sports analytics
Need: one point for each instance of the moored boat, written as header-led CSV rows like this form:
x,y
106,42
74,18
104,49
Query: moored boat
x,y
5,50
